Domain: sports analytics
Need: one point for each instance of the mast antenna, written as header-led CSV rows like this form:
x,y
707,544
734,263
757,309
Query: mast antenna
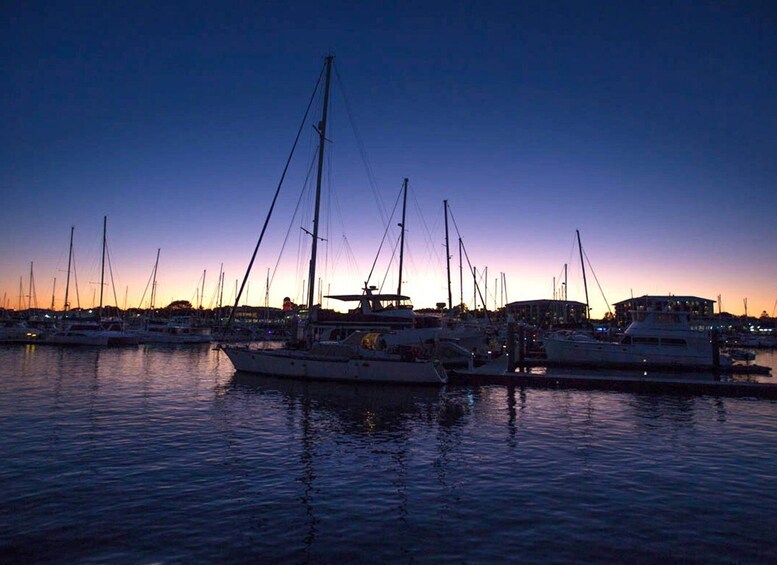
x,y
322,142
402,240
585,283
448,255
102,268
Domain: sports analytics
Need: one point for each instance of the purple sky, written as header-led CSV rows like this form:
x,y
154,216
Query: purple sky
x,y
648,126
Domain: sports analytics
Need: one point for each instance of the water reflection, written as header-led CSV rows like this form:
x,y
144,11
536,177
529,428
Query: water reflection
x,y
358,409
141,451
636,374
369,422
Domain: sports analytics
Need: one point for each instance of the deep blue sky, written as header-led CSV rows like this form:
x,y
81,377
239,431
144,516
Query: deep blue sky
x,y
648,126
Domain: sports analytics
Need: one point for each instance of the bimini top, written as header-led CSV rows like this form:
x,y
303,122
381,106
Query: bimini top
x,y
360,297
370,303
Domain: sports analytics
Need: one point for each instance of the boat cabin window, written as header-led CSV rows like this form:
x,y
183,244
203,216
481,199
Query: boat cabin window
x,y
667,318
673,341
645,340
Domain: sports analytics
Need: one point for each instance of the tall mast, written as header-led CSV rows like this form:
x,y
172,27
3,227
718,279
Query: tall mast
x,y
267,297
221,293
69,260
267,289
475,287
402,240
321,143
53,292
461,276
585,283
219,288
32,285
485,290
102,268
153,283
448,255
566,290
202,294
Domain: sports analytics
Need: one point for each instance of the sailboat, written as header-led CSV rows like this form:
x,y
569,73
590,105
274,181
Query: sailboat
x,y
75,331
355,359
92,331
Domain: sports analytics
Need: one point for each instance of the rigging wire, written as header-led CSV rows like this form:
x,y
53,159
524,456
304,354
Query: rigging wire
x,y
304,190
110,270
587,260
351,256
75,279
429,240
383,239
274,200
362,150
464,248
388,269
143,296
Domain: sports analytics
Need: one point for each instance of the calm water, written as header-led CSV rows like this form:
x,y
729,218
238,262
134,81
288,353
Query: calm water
x,y
166,455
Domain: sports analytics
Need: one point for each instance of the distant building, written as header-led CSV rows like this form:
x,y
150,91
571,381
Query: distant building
x,y
697,307
547,313
256,314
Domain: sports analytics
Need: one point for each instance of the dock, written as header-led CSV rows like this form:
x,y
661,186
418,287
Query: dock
x,y
697,384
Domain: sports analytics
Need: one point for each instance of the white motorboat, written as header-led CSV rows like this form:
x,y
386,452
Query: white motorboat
x,y
79,333
354,359
17,331
179,330
653,339
117,334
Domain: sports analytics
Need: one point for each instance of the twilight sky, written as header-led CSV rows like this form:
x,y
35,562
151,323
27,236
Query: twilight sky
x,y
649,126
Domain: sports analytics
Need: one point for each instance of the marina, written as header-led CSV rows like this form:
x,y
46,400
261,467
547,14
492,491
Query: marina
x,y
451,283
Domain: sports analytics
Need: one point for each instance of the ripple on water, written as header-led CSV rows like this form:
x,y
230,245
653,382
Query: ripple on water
x,y
165,454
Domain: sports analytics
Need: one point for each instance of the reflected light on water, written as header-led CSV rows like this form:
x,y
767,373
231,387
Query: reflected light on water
x,y
167,454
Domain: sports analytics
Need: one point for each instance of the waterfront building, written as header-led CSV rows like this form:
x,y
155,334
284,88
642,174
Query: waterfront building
x,y
547,313
698,308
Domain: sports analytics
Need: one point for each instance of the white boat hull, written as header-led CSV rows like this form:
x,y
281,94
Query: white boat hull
x,y
154,337
122,338
297,364
603,354
75,338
